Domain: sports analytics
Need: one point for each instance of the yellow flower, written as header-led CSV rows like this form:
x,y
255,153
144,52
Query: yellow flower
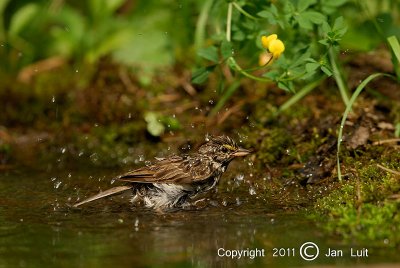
x,y
266,40
276,47
273,45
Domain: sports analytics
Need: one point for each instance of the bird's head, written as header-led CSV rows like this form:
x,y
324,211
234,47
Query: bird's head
x,y
222,149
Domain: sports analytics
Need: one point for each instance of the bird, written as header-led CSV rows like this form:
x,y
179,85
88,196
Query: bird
x,y
173,182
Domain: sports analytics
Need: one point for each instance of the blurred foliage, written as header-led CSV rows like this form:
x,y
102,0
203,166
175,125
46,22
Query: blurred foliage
x,y
135,33
314,32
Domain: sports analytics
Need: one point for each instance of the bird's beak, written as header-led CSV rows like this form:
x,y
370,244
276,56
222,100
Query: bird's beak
x,y
241,152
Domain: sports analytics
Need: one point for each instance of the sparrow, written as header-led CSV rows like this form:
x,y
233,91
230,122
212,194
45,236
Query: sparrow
x,y
174,181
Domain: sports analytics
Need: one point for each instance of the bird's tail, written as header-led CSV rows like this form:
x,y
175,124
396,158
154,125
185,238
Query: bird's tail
x,y
112,191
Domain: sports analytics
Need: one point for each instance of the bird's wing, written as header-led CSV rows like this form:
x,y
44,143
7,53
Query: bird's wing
x,y
112,191
175,169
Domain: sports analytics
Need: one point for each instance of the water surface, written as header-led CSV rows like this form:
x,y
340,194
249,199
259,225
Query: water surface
x,y
39,229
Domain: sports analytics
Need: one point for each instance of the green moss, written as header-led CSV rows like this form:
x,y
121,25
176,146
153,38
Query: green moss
x,y
363,209
273,145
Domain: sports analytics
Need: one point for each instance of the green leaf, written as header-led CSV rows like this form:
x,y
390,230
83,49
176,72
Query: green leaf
x,y
113,5
107,45
304,4
22,18
311,67
326,28
201,75
273,75
394,44
3,5
338,24
268,15
265,14
397,130
226,49
209,53
331,6
304,22
324,42
154,127
274,10
288,86
326,70
171,123
314,17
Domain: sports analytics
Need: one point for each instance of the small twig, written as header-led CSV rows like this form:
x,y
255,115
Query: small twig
x,y
388,170
230,111
125,79
380,142
27,73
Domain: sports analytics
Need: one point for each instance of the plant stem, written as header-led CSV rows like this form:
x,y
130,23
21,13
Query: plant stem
x,y
227,94
229,22
236,66
241,10
357,92
338,77
299,95
201,24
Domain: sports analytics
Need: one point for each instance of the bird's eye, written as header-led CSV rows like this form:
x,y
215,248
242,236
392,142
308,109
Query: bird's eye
x,y
224,150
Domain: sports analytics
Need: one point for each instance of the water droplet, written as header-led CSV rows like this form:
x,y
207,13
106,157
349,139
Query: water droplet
x,y
129,115
53,100
53,178
252,191
69,175
76,71
386,241
94,157
63,150
211,101
272,220
238,202
239,177
57,184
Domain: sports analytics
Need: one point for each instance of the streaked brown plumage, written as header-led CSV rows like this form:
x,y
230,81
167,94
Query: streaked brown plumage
x,y
171,182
